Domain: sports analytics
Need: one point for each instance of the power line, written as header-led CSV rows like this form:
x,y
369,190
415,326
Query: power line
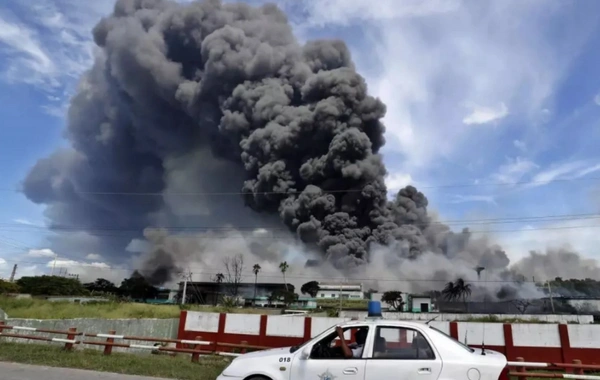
x,y
288,276
291,192
226,234
17,227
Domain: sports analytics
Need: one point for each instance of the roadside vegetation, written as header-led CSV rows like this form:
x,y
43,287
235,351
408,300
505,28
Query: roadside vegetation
x,y
36,308
178,367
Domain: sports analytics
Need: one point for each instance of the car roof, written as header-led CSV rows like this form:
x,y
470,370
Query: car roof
x,y
381,321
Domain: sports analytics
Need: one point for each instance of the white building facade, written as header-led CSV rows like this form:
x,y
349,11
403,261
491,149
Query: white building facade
x,y
341,290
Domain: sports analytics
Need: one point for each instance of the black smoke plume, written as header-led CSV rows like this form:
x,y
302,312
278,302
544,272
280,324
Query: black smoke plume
x,y
214,99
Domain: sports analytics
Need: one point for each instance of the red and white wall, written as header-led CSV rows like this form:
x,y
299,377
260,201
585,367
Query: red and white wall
x,y
532,341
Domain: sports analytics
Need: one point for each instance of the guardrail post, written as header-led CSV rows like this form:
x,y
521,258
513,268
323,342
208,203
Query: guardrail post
x,y
521,369
577,371
196,355
108,347
243,350
70,336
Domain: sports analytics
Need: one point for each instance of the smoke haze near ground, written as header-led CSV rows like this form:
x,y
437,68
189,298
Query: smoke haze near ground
x,y
212,118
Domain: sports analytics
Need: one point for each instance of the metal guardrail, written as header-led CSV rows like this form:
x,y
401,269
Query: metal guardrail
x,y
573,370
194,347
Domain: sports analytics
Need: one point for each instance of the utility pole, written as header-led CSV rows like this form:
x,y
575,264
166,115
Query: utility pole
x,y
12,275
184,294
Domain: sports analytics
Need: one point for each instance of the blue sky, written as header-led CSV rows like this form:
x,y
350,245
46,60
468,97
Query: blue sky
x,y
493,107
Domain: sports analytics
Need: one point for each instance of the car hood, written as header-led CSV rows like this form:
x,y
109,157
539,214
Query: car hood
x,y
256,361
263,353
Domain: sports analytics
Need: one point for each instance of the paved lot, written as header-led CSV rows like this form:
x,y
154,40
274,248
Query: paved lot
x,y
11,371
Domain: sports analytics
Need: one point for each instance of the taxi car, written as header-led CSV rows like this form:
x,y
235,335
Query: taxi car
x,y
391,350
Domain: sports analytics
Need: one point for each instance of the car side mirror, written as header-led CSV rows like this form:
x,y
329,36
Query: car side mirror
x,y
305,354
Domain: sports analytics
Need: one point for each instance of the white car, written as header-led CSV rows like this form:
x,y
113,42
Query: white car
x,y
393,350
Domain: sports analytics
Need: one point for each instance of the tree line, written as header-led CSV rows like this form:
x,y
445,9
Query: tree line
x,y
134,287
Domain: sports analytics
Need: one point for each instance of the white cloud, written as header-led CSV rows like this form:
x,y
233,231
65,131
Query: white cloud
x,y
344,12
566,170
72,264
30,62
457,198
514,170
428,58
396,181
580,234
93,256
2,262
260,232
50,45
521,145
26,222
597,99
485,115
44,252
88,272
137,246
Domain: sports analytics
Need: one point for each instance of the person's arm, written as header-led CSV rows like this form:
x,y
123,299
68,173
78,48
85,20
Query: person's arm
x,y
345,349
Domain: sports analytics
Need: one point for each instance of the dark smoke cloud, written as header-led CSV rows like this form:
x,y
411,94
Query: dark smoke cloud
x,y
220,98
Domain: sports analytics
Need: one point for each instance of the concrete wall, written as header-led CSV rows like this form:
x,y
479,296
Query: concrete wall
x,y
549,342
160,328
557,318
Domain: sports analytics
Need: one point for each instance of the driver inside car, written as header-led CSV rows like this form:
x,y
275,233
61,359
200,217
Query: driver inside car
x,y
354,350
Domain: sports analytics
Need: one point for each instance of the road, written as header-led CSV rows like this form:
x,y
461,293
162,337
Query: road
x,y
12,371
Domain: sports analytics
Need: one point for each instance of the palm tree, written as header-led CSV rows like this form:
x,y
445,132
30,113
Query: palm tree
x,y
283,267
457,290
219,277
256,268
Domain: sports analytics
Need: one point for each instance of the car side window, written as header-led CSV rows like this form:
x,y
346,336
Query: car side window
x,y
330,346
401,344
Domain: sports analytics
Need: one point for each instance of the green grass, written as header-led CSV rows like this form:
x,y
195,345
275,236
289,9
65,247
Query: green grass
x,y
178,367
35,308
346,304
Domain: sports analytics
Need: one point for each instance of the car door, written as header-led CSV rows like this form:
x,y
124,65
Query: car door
x,y
400,353
313,368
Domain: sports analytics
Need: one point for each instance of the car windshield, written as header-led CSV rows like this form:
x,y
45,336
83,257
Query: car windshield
x,y
296,348
452,339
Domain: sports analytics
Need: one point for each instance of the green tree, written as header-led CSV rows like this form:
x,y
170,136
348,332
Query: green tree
x,y
283,267
219,277
138,287
311,288
284,296
102,285
51,286
394,299
8,287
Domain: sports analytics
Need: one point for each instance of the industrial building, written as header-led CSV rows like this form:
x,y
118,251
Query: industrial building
x,y
413,303
353,291
210,293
